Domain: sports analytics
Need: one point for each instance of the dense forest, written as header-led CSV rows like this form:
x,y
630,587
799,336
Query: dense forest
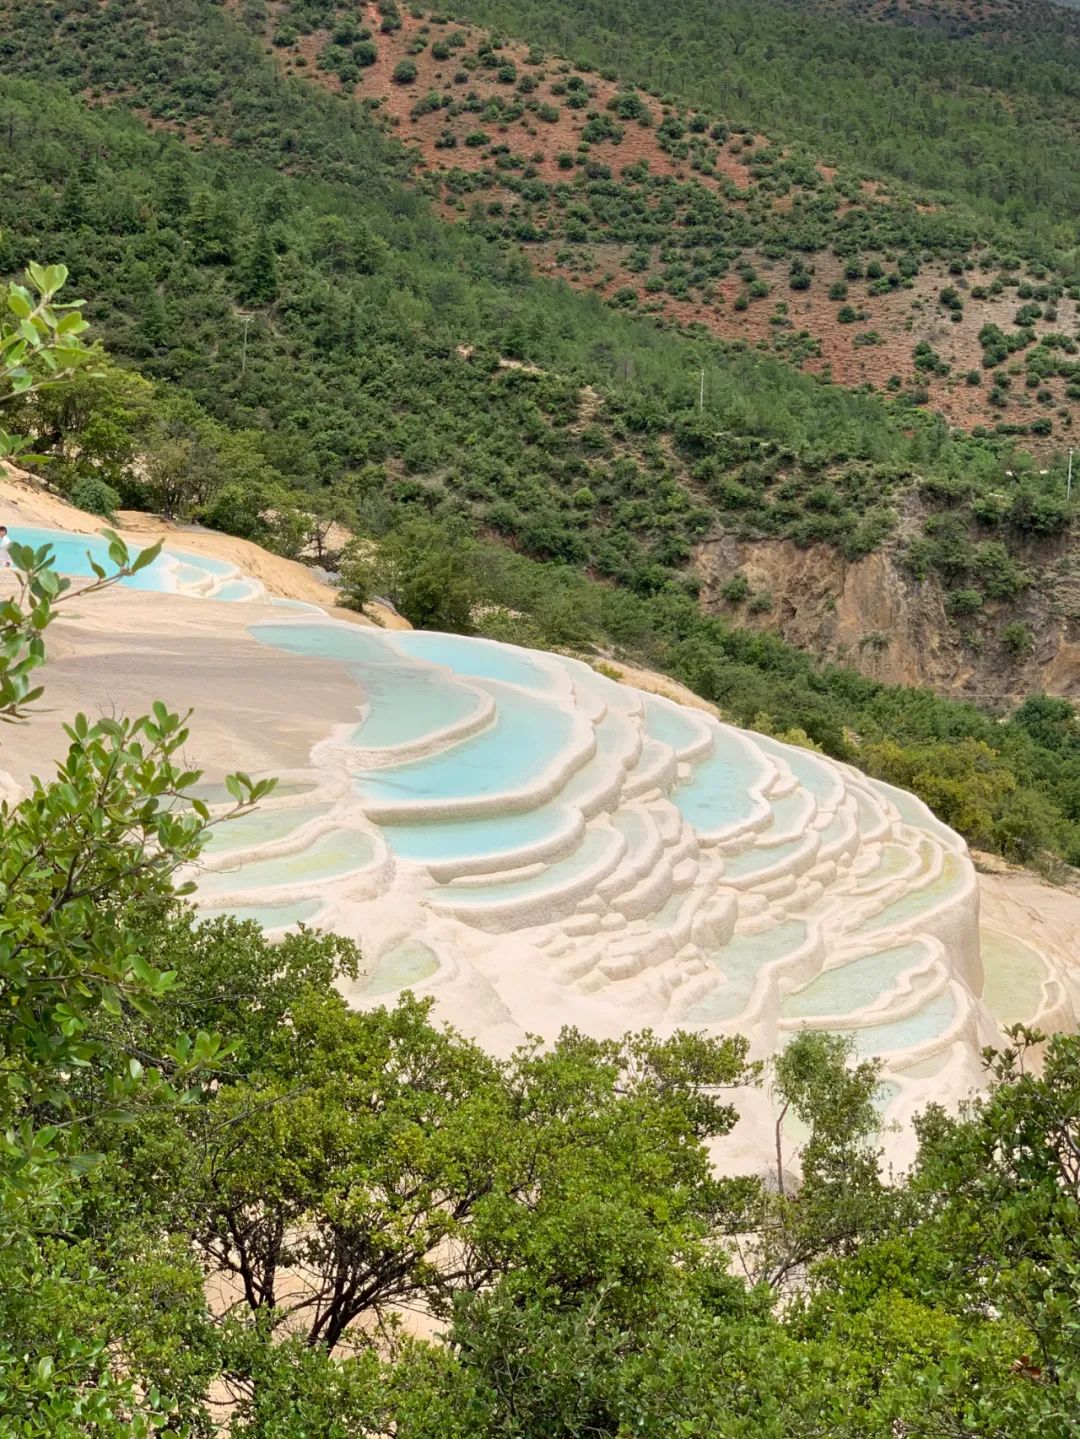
x,y
993,126
317,344
698,221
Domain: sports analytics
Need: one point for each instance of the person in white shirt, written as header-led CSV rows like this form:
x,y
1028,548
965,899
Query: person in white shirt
x,y
5,554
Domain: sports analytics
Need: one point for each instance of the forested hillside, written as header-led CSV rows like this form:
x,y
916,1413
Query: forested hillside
x,y
689,215
319,342
993,126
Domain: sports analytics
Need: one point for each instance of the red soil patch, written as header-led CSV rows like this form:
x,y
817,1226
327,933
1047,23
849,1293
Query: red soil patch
x,y
522,146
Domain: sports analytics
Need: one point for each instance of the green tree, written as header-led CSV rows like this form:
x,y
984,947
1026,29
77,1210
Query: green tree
x,y
258,275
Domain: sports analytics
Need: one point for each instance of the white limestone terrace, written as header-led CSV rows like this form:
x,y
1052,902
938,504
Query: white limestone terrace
x,y
533,844
173,572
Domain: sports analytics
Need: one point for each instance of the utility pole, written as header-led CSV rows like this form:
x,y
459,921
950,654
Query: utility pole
x,y
1068,482
701,393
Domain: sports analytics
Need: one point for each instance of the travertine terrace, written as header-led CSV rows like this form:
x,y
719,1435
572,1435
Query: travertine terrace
x,y
534,844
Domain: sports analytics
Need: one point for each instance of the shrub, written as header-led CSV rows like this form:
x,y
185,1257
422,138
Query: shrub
x,y
404,72
760,603
94,496
963,602
736,589
1017,639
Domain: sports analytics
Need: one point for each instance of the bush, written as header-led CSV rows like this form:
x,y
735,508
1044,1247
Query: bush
x,y
404,72
1017,639
94,496
736,589
963,602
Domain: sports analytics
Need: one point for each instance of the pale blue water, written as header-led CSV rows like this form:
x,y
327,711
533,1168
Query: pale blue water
x,y
915,901
813,774
70,556
758,857
925,1024
237,590
301,606
476,658
328,857
912,811
407,701
410,962
597,846
717,795
348,643
1013,978
212,566
853,986
793,811
525,740
478,838
270,916
741,959
671,727
189,575
262,826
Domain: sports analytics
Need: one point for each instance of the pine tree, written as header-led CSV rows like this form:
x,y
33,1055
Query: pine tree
x,y
258,277
72,204
211,229
174,196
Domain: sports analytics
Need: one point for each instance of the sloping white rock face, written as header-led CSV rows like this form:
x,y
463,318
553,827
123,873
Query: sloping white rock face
x,y
535,845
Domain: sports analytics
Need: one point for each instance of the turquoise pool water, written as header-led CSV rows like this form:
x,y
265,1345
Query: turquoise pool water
x,y
259,827
853,986
758,857
598,847
526,739
927,1023
270,916
1013,978
671,727
348,643
819,778
406,701
407,963
915,901
330,856
72,553
741,959
478,839
476,659
718,793
237,590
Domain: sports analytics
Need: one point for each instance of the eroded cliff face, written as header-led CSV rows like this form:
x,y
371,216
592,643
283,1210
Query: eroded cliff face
x,y
872,615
